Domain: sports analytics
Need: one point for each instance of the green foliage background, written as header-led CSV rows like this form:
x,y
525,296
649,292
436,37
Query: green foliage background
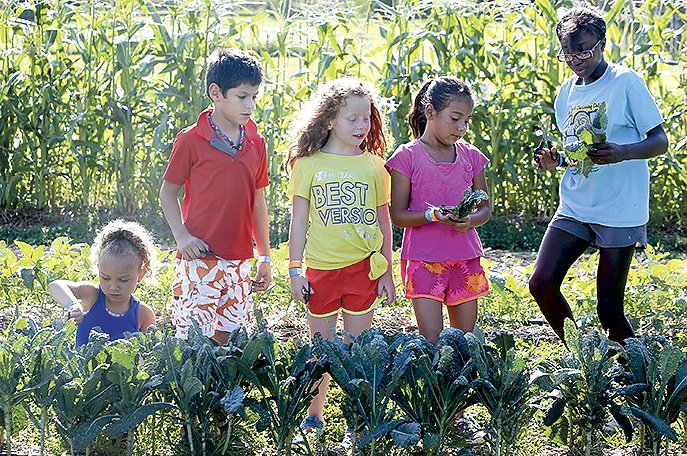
x,y
93,93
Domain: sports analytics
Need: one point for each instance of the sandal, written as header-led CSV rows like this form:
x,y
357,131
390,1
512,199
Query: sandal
x,y
311,427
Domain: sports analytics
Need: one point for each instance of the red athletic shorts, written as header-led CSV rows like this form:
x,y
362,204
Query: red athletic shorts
x,y
349,289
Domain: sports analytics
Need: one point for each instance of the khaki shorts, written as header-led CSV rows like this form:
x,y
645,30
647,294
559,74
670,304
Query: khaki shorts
x,y
213,292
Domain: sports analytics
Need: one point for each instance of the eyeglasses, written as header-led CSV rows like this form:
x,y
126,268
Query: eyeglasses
x,y
582,55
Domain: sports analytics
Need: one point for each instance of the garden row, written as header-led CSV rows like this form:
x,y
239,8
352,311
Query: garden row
x,y
162,384
398,390
95,92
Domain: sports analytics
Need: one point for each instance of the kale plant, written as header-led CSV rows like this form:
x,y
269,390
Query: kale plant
x,y
288,381
44,364
436,386
83,394
13,381
589,134
368,371
466,207
507,388
134,375
207,385
583,384
663,368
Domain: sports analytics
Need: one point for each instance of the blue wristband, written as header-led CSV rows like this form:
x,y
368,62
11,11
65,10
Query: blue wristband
x,y
293,272
428,215
70,303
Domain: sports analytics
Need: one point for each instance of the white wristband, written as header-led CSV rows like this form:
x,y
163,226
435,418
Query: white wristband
x,y
264,259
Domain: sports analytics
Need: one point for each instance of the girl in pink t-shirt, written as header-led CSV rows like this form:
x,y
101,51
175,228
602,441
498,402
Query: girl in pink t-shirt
x,y
440,258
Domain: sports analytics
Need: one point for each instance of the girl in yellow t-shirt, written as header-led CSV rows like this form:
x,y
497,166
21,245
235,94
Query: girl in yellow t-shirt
x,y
340,216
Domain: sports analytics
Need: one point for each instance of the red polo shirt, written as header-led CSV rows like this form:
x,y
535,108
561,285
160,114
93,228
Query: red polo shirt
x,y
219,191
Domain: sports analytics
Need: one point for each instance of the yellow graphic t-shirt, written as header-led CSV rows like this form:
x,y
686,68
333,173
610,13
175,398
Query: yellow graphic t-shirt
x,y
344,193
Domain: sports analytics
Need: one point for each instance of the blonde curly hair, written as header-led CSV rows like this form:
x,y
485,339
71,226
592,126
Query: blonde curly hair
x,y
122,238
311,134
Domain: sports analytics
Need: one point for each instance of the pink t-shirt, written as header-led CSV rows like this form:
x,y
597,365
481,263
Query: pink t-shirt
x,y
433,183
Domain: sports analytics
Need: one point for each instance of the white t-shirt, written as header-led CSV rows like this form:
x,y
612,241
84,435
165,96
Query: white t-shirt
x,y
617,194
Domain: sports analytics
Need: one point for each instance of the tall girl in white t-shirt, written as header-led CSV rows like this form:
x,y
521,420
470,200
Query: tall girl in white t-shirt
x,y
609,208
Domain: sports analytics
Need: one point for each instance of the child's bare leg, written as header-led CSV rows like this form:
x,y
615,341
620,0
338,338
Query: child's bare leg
x,y
322,326
463,316
558,251
614,265
430,318
355,324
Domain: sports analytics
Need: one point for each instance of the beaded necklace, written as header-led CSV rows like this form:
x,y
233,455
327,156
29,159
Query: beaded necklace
x,y
224,137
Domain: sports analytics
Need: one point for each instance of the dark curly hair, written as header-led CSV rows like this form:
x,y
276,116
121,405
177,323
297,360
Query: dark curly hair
x,y
583,17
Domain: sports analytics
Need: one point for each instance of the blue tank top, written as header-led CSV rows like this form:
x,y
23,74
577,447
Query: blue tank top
x,y
108,323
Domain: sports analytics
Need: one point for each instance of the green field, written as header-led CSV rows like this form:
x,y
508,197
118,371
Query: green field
x,y
92,96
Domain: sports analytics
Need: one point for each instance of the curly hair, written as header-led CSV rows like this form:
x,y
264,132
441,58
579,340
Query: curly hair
x,y
437,92
122,238
312,132
582,17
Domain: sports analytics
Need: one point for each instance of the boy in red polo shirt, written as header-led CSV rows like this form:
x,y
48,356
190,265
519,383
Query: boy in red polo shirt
x,y
221,161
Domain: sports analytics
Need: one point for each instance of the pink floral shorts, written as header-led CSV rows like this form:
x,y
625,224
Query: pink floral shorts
x,y
213,292
451,282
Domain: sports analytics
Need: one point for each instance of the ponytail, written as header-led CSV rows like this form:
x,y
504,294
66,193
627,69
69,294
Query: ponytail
x,y
417,117
438,93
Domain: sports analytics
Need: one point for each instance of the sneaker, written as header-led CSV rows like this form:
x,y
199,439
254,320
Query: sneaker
x,y
350,439
312,428
611,426
470,428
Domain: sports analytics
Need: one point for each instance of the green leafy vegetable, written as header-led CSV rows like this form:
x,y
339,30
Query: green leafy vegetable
x,y
506,387
586,390
287,382
662,367
436,386
589,134
369,371
466,207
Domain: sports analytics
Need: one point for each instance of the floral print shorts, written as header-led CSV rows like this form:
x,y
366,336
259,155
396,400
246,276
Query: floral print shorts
x,y
451,282
213,292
